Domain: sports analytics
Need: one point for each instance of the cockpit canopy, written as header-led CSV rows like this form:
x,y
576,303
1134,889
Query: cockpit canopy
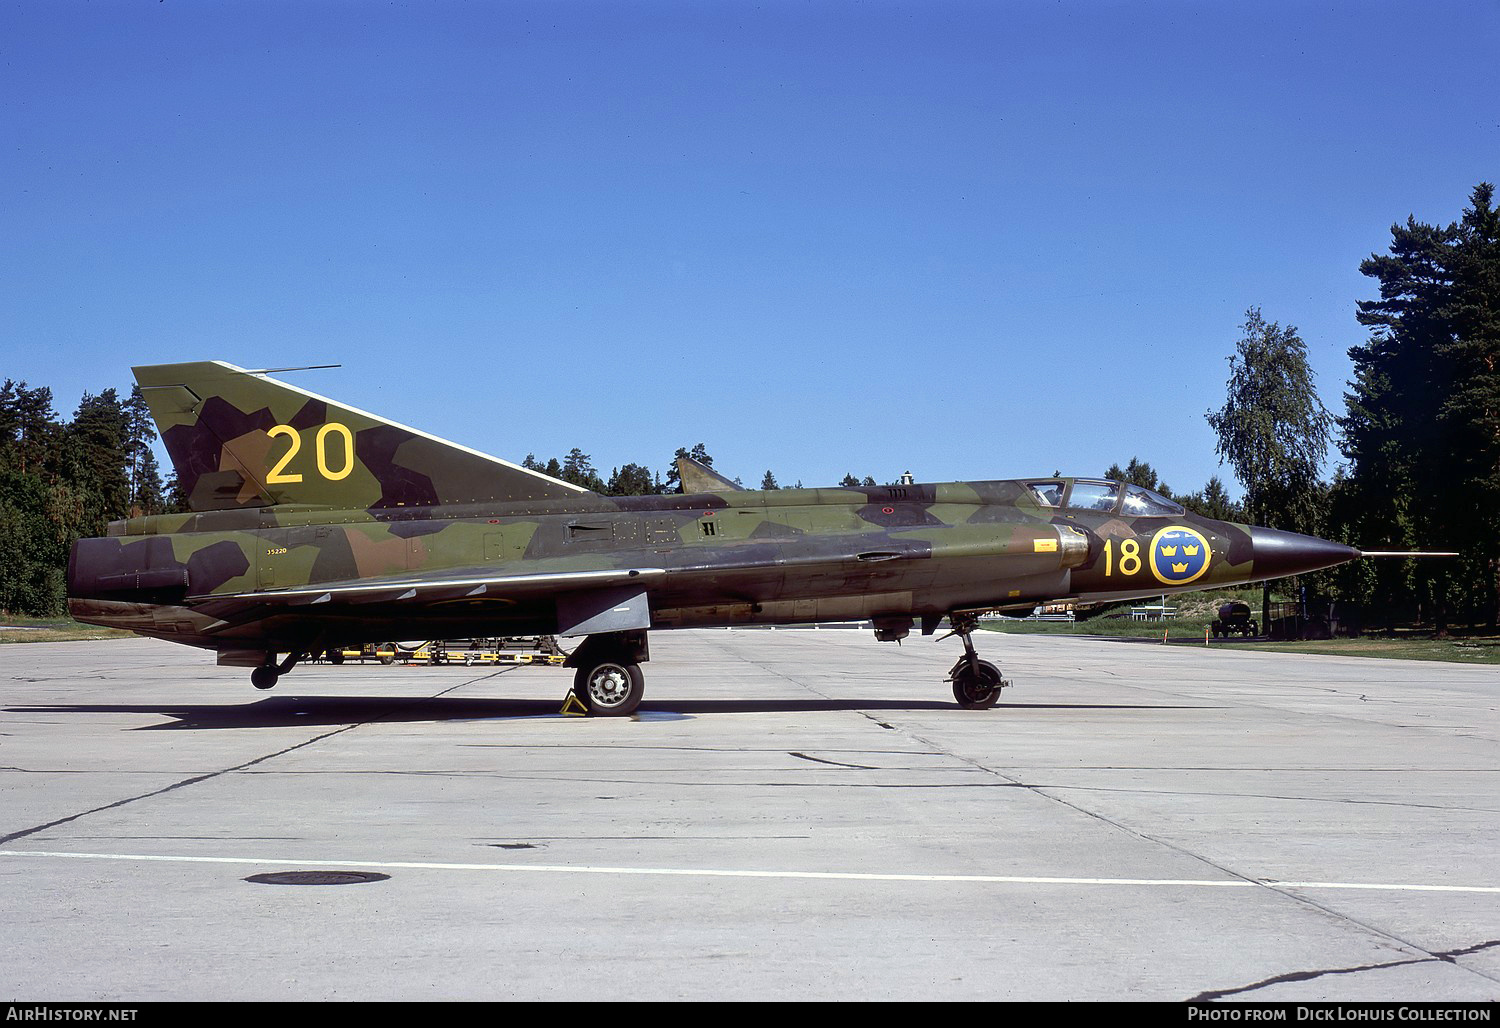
x,y
1143,503
1097,494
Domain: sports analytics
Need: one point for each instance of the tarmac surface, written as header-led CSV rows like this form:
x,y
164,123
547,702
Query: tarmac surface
x,y
794,814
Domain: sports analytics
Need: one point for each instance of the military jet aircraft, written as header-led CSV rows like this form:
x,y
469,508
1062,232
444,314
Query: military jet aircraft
x,y
314,525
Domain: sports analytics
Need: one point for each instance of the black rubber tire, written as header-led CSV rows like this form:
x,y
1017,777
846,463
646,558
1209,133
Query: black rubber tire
x,y
977,686
616,691
264,677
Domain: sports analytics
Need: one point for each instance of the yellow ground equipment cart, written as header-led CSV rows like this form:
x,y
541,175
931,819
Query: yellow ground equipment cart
x,y
529,650
386,653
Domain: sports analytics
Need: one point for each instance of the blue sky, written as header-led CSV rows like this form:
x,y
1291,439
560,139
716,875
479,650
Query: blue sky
x,y
972,240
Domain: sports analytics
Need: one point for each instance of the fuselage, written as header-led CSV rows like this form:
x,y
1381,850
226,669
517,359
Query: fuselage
x,y
891,554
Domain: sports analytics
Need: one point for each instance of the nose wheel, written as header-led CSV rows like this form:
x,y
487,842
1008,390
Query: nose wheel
x,y
267,675
976,683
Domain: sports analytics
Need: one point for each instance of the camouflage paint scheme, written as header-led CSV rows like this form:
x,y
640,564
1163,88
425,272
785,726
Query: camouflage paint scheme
x,y
315,524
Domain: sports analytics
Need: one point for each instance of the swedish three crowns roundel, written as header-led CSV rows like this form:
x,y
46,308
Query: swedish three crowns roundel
x,y
1178,555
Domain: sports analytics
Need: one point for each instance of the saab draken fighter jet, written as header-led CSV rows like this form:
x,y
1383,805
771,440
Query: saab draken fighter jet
x,y
316,525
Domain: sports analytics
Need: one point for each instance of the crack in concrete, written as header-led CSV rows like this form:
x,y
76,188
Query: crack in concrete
x,y
1447,956
196,779
836,763
1042,791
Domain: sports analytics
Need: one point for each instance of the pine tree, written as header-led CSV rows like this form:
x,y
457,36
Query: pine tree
x,y
28,426
140,434
1213,501
631,480
578,468
98,443
1422,432
673,481
150,494
1138,472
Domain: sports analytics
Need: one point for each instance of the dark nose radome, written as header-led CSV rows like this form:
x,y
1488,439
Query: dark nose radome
x,y
1278,554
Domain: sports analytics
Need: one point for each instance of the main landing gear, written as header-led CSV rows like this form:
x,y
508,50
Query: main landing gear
x,y
266,676
976,683
608,681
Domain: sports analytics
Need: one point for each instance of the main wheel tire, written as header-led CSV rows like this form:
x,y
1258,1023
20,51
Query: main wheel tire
x,y
977,685
610,688
264,676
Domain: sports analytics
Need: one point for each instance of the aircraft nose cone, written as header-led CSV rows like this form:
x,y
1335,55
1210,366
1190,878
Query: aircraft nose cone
x,y
1278,553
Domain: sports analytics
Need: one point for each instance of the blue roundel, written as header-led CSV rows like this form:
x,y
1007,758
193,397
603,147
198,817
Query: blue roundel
x,y
1179,555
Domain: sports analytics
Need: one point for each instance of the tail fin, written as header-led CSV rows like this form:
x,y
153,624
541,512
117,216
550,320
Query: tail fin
x,y
700,478
240,439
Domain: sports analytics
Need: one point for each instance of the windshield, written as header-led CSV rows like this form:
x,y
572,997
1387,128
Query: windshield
x,y
1087,495
1144,503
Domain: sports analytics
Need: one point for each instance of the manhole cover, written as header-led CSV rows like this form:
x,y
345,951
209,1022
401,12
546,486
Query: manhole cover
x,y
317,878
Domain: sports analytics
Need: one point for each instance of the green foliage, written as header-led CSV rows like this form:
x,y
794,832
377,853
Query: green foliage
x,y
673,482
1273,429
31,554
1138,472
1213,501
632,480
59,482
1422,428
578,469
99,445
628,480
147,494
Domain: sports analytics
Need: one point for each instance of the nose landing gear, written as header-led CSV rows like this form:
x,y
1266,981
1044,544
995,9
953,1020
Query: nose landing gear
x,y
266,676
976,683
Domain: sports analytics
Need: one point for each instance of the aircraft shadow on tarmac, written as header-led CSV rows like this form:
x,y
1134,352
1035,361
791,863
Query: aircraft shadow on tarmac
x,y
289,711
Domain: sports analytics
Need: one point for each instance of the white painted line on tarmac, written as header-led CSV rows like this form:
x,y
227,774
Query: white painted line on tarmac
x,y
850,876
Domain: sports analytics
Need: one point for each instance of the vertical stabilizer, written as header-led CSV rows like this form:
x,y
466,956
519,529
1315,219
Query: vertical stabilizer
x,y
698,477
240,439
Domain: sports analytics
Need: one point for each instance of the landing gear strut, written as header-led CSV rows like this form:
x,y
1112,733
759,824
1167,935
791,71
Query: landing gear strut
x,y
266,676
976,683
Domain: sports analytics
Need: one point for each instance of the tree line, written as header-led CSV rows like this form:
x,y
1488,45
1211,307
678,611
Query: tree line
x,y
1420,432
60,480
1421,429
639,480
